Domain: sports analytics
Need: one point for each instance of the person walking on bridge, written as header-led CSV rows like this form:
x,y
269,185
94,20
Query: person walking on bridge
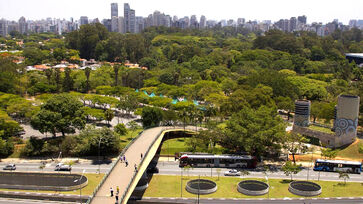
x,y
141,155
111,191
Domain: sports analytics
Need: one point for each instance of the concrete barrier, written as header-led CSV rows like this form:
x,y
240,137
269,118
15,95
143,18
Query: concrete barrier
x,y
44,196
41,181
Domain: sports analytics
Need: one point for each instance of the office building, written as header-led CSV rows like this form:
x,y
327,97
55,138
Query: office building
x,y
114,10
202,22
114,24
127,17
301,19
3,27
23,26
83,20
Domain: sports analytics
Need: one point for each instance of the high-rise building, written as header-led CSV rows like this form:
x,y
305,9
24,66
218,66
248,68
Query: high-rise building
x,y
121,24
23,26
139,22
301,19
3,27
292,24
107,23
83,20
132,21
127,17
114,10
202,22
240,21
193,21
114,24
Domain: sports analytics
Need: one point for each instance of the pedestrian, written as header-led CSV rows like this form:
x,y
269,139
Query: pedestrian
x,y
111,190
135,167
126,163
116,197
117,189
124,158
141,155
121,159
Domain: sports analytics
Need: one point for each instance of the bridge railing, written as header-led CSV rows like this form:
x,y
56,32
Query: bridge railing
x,y
112,167
142,161
146,153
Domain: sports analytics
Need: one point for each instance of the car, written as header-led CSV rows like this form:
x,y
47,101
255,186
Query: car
x,y
62,167
10,167
232,172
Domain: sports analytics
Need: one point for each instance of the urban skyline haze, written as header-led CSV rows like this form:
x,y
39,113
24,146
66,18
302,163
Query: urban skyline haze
x,y
317,11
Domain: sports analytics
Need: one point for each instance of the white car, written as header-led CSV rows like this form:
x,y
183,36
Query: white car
x,y
62,167
10,167
232,172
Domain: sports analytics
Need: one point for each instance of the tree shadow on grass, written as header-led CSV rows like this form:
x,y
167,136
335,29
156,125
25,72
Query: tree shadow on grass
x,y
341,184
285,181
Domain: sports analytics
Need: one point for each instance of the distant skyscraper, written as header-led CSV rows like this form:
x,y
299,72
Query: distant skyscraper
x,y
193,22
301,19
292,24
121,24
107,23
202,22
132,21
127,17
114,24
83,20
114,10
23,26
240,21
3,28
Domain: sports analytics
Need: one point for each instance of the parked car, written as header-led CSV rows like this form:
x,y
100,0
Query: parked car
x,y
62,167
232,172
10,167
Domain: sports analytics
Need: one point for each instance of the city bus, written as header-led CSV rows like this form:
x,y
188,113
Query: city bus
x,y
338,165
210,160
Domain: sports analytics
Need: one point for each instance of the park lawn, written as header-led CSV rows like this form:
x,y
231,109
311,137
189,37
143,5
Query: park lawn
x,y
172,146
93,181
321,129
169,186
352,151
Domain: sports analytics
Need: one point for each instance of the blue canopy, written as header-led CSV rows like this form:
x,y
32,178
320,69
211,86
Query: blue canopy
x,y
196,102
137,90
161,95
146,93
152,94
174,101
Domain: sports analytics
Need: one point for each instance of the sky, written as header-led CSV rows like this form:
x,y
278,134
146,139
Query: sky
x,y
315,10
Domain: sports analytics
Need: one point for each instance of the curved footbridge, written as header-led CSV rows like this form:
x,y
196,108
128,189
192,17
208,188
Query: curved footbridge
x,y
147,143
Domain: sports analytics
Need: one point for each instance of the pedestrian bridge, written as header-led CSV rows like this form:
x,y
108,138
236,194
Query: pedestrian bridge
x,y
124,176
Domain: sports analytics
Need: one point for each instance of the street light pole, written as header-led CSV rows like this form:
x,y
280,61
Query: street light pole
x,y
80,188
99,161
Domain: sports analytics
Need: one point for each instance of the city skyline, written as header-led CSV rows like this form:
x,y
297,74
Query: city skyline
x,y
322,11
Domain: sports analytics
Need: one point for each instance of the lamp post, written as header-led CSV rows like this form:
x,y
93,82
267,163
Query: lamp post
x,y
99,161
80,188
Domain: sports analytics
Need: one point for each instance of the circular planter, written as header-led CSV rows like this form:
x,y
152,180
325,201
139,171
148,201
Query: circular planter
x,y
304,188
201,186
253,187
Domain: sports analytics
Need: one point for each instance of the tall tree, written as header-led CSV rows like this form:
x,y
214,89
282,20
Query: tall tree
x,y
60,113
68,81
87,72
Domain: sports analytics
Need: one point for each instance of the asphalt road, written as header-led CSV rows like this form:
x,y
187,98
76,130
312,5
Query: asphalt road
x,y
172,168
77,168
18,201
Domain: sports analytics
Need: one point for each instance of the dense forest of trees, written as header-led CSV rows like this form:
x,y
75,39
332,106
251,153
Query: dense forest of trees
x,y
239,78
